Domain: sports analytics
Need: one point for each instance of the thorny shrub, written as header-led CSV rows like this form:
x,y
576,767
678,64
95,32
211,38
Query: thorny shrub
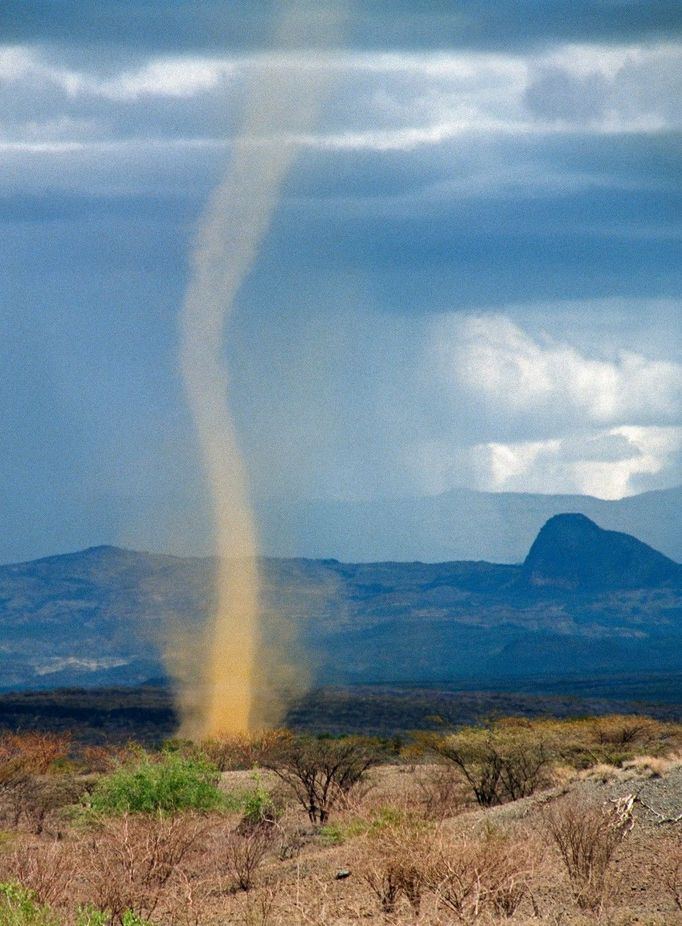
x,y
241,751
47,869
611,739
513,757
243,851
36,753
143,864
672,870
490,873
36,804
587,834
468,875
27,794
398,864
101,760
441,792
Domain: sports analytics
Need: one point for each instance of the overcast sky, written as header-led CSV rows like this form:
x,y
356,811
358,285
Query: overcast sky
x,y
473,277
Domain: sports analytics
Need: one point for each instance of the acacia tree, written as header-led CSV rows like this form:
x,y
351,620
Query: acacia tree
x,y
500,763
320,771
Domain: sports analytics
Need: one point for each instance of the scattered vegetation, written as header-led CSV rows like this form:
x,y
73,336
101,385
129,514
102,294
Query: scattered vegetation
x,y
34,779
509,821
489,873
244,852
143,866
256,803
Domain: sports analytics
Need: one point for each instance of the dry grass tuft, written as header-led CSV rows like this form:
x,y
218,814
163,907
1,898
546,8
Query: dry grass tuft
x,y
442,792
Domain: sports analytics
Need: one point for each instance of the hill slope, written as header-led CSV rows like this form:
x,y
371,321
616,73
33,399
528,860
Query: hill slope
x,y
572,552
585,601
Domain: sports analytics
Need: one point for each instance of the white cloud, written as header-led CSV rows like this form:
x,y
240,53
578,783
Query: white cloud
x,y
23,65
556,465
165,77
405,139
16,63
608,90
516,373
549,416
178,77
391,101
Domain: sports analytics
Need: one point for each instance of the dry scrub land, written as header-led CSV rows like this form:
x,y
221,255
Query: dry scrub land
x,y
518,821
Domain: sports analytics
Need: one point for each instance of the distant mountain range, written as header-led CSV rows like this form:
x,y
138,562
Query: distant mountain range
x,y
462,524
585,602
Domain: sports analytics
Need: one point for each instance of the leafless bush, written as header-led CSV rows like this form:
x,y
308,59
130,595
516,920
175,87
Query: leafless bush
x,y
397,864
17,788
34,752
141,863
289,840
393,880
630,730
258,910
241,751
27,792
46,868
103,759
587,835
509,877
458,884
385,882
441,792
244,852
489,873
33,803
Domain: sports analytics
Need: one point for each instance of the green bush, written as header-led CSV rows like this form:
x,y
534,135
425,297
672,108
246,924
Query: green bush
x,y
255,804
258,805
91,916
169,785
19,907
130,918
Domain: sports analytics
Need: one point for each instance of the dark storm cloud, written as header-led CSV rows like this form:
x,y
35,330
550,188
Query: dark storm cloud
x,y
591,243
213,24
52,206
475,186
